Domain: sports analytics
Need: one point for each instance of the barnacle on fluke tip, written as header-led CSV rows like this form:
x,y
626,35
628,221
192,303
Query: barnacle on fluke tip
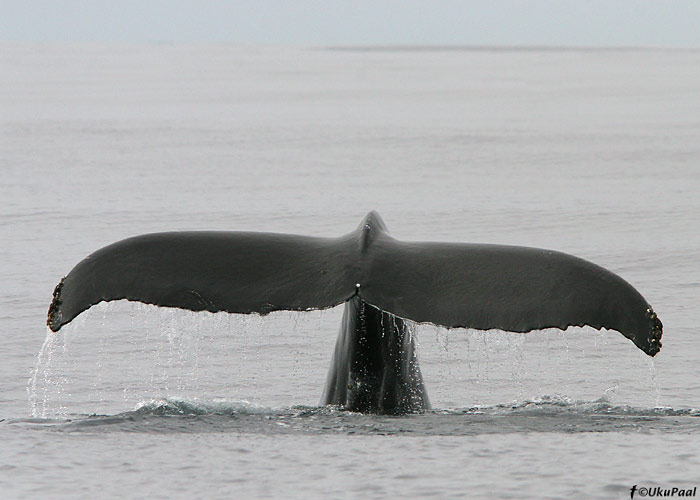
x,y
655,332
54,315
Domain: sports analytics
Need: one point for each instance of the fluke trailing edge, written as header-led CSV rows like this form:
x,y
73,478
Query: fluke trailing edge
x,y
382,282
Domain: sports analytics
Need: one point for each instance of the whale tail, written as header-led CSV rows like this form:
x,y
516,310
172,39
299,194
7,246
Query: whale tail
x,y
476,286
382,282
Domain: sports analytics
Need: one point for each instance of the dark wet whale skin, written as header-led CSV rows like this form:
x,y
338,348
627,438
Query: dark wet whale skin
x,y
374,367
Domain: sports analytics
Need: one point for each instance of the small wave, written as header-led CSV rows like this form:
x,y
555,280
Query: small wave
x,y
563,404
182,406
558,414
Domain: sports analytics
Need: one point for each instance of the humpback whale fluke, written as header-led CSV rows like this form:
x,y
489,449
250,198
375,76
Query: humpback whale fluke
x,y
382,281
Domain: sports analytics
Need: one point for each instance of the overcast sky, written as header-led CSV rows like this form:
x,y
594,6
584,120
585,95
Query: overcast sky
x,y
659,23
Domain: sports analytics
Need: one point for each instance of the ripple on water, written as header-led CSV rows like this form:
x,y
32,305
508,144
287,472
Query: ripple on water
x,y
546,414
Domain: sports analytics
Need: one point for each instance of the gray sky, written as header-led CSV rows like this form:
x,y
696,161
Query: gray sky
x,y
659,23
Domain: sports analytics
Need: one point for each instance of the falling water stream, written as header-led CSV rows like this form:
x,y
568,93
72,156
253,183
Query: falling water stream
x,y
120,355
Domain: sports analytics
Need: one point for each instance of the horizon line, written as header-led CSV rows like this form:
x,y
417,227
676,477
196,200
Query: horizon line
x,y
362,47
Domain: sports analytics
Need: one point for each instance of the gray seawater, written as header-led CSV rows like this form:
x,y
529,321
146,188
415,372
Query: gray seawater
x,y
592,152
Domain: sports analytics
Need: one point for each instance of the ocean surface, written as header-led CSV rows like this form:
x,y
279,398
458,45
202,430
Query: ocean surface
x,y
591,152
